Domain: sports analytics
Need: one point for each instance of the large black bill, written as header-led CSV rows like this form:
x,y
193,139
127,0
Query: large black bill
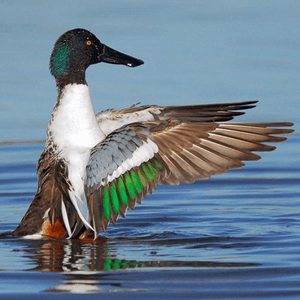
x,y
112,56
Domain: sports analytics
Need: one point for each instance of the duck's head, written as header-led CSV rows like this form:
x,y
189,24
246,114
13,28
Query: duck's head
x,y
77,49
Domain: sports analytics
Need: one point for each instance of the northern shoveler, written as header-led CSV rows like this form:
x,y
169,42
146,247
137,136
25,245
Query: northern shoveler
x,y
94,167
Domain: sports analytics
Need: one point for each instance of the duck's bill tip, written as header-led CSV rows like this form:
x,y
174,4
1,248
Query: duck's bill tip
x,y
112,56
137,63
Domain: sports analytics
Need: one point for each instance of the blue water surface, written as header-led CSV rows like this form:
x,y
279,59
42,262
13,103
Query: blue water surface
x,y
232,237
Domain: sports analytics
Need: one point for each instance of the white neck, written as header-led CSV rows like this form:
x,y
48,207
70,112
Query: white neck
x,y
74,125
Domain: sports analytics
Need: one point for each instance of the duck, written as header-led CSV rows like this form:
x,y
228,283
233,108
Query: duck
x,y
94,167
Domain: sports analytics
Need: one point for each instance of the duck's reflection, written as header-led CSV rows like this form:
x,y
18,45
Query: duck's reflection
x,y
95,256
87,265
75,256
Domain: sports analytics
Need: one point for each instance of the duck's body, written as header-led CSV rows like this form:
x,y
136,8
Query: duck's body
x,y
94,167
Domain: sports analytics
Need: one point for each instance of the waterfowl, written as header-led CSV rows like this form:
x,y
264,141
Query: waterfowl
x,y
95,167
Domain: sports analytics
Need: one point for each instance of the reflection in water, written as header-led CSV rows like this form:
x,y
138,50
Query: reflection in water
x,y
95,256
86,264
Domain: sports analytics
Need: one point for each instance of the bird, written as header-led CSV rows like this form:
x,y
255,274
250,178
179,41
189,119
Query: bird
x,y
94,167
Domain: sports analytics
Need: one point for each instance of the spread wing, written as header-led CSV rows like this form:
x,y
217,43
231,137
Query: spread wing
x,y
170,145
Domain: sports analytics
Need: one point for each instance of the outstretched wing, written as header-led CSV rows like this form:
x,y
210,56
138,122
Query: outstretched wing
x,y
175,145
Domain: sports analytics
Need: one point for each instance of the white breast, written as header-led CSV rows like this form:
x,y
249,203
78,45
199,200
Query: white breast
x,y
74,124
75,131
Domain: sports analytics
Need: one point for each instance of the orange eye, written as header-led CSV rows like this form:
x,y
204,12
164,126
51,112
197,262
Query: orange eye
x,y
89,43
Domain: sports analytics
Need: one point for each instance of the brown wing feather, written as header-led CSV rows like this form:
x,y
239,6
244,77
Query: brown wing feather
x,y
189,113
193,151
53,188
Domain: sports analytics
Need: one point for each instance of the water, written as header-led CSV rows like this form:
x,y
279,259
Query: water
x,y
231,237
